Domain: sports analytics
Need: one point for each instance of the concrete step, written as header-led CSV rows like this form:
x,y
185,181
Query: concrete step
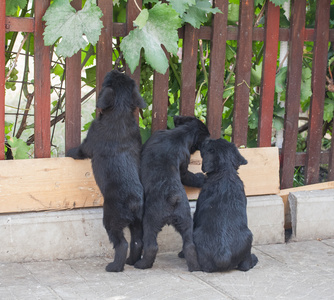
x,y
79,233
312,214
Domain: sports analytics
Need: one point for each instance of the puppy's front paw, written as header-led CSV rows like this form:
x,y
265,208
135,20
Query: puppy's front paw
x,y
142,264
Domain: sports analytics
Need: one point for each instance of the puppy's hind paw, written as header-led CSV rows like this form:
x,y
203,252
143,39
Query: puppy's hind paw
x,y
112,267
131,261
194,268
142,264
181,254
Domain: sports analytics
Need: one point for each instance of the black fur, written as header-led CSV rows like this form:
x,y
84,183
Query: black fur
x,y
164,167
221,235
113,143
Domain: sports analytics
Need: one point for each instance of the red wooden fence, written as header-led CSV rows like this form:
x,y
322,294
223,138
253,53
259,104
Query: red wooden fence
x,y
218,34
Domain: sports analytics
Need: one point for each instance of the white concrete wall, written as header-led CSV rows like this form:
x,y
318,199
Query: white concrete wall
x,y
80,233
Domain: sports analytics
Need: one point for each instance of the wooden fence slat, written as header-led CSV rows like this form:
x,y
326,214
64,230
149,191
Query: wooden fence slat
x,y
292,102
42,84
73,96
188,70
217,69
267,92
2,78
319,68
20,24
243,73
160,101
104,45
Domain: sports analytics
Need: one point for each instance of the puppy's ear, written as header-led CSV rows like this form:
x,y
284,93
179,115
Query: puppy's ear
x,y
106,98
177,120
238,159
138,100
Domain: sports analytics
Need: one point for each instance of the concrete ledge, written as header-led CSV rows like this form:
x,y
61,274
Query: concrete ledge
x,y
79,233
266,219
312,214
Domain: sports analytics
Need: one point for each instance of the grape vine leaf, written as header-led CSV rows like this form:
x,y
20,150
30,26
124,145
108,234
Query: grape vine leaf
x,y
278,2
13,5
160,29
63,21
181,5
197,14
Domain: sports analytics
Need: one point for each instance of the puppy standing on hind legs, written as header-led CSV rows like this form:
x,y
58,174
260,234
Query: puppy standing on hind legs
x,y
164,167
221,235
113,143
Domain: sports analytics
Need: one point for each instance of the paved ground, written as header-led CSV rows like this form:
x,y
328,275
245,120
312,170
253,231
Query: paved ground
x,y
303,270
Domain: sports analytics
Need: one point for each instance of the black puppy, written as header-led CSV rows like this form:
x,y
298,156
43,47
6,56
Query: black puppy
x,y
164,164
113,143
221,235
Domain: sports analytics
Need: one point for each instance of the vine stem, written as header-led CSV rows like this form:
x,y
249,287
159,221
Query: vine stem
x,y
137,5
16,57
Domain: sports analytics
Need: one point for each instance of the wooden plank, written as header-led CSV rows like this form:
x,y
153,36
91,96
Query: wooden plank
x,y
217,69
65,183
189,70
47,184
260,176
319,68
2,79
243,73
104,45
284,194
15,24
292,102
73,96
267,92
160,101
42,84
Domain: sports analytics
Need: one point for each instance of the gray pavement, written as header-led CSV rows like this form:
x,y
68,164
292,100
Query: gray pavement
x,y
296,270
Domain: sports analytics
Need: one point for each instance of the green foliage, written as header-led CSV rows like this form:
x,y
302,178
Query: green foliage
x,y
13,5
180,6
157,27
278,2
198,14
63,21
19,148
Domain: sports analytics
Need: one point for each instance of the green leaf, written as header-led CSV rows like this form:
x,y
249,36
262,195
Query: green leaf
x,y
62,20
90,79
280,81
278,123
160,29
278,2
305,90
197,14
328,109
181,5
13,5
141,19
256,75
19,148
233,13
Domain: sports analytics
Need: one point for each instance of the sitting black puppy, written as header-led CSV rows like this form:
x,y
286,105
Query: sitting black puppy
x,y
113,143
164,167
221,235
